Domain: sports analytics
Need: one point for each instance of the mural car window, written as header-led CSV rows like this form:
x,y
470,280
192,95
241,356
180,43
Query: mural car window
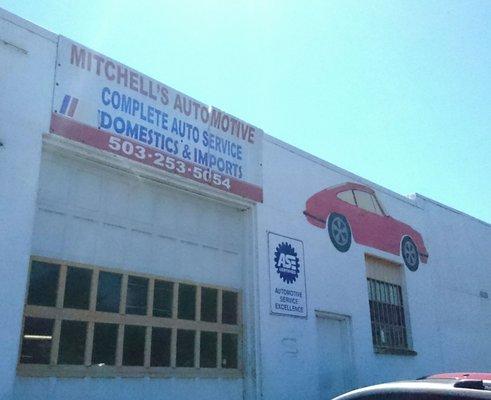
x,y
115,320
376,204
364,200
347,196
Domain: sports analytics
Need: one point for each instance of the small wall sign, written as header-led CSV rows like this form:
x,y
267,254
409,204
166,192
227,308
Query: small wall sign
x,y
287,276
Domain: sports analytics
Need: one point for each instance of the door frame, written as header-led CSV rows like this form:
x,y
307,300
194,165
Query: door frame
x,y
252,374
349,336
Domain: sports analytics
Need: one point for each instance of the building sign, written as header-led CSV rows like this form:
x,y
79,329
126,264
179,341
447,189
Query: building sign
x,y
287,276
102,103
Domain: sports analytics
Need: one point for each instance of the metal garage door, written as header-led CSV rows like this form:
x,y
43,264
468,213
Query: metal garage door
x,y
103,217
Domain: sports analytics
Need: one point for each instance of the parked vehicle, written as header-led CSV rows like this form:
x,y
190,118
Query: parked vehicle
x,y
482,376
353,210
465,386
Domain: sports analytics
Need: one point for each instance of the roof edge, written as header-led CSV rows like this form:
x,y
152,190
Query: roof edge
x,y
27,25
350,175
417,196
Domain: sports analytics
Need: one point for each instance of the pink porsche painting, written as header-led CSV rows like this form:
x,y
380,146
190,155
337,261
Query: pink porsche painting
x,y
353,211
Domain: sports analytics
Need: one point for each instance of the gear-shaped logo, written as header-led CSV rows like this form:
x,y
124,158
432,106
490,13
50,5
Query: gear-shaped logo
x,y
286,262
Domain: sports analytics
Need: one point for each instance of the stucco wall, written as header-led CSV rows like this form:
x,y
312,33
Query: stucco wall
x,y
460,271
26,85
448,320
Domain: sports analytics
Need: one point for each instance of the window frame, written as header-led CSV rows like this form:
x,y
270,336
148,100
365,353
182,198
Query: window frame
x,y
352,195
390,274
377,204
370,200
374,199
91,316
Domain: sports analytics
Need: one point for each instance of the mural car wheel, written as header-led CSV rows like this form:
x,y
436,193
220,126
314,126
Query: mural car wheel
x,y
410,253
339,232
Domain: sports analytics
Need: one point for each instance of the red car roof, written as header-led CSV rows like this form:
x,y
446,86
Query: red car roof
x,y
482,376
350,185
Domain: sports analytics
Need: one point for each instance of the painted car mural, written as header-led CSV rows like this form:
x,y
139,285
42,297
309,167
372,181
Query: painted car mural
x,y
353,210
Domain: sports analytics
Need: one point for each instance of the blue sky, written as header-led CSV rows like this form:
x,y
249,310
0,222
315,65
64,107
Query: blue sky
x,y
398,92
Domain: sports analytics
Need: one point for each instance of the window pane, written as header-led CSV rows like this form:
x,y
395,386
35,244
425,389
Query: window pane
x,y
376,205
187,302
208,350
347,196
36,340
209,302
136,297
185,348
399,295
72,342
229,350
134,345
162,299
371,289
364,200
43,284
77,288
104,348
108,292
160,355
383,292
229,307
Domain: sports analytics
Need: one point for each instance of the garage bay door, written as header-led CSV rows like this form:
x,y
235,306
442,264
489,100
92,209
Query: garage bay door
x,y
173,260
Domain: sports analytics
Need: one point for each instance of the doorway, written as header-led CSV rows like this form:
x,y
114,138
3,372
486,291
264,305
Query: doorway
x,y
334,348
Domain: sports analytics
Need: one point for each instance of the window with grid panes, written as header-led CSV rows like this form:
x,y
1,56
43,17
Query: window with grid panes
x,y
87,321
387,315
390,331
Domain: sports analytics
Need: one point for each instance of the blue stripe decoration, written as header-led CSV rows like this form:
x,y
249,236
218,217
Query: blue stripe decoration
x,y
64,104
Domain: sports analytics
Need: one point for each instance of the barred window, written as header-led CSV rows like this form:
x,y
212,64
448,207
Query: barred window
x,y
388,309
387,315
81,320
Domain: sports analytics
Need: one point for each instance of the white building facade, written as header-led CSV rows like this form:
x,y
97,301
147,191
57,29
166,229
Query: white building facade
x,y
155,246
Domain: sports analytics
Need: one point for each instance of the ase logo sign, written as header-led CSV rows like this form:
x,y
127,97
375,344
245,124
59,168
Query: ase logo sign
x,y
287,276
286,262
